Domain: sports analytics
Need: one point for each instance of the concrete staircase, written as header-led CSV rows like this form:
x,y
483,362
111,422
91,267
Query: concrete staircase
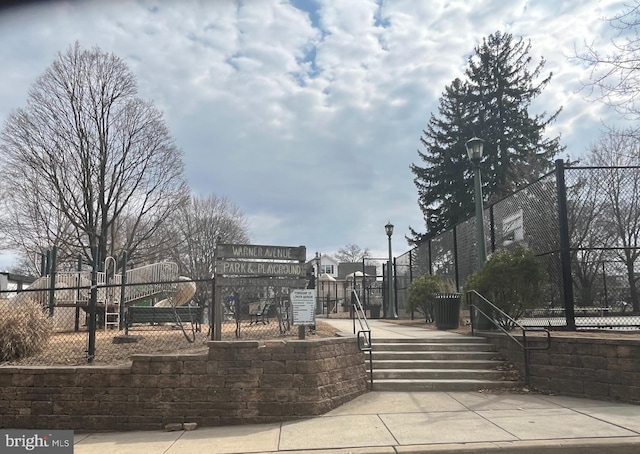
x,y
438,364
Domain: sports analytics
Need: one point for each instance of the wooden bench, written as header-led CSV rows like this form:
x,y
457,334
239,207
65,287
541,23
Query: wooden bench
x,y
154,315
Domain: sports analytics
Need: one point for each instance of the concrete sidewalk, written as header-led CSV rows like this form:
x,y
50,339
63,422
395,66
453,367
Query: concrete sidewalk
x,y
381,329
421,422
409,422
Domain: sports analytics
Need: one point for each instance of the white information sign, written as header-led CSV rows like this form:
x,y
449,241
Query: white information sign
x,y
303,303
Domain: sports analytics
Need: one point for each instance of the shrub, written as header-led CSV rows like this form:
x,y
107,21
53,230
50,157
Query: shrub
x,y
512,279
25,329
421,294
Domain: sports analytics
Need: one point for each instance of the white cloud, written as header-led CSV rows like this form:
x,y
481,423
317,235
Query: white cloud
x,y
308,123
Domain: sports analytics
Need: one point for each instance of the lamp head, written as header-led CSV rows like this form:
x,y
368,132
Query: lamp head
x,y
475,146
389,229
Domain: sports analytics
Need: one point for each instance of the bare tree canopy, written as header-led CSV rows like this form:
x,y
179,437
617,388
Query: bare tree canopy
x,y
87,162
614,77
199,225
619,191
352,253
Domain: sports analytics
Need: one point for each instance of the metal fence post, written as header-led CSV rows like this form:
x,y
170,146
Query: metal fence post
x,y
91,350
411,279
456,276
218,312
492,229
395,286
43,264
123,284
76,323
565,247
52,280
211,310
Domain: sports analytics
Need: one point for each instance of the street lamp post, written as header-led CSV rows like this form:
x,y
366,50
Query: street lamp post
x,y
474,150
318,300
391,309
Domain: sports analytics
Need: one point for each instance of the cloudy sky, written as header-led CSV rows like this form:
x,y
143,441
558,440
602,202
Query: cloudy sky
x,y
307,114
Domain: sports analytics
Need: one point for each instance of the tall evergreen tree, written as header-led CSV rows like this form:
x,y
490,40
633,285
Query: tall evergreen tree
x,y
491,103
445,184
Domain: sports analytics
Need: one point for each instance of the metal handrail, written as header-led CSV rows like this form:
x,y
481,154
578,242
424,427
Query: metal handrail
x,y
526,348
364,333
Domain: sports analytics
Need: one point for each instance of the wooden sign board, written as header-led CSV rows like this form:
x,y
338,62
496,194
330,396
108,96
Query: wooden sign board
x,y
252,251
260,282
248,268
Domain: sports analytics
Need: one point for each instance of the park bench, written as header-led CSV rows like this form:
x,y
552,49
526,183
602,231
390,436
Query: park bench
x,y
259,312
154,315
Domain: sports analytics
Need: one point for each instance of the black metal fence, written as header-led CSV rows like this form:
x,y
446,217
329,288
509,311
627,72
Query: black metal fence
x,y
583,223
88,324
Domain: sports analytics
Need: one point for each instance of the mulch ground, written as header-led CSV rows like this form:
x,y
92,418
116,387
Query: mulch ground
x,y
70,349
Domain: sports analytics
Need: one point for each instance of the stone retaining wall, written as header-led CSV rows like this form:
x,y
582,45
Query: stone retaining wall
x,y
602,368
234,383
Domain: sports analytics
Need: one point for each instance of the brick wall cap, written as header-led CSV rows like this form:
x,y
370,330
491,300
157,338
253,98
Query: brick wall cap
x,y
234,344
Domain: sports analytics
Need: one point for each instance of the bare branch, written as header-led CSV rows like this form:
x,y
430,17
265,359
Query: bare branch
x,y
88,162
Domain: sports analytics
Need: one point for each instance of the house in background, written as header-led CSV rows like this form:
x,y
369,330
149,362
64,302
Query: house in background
x,y
11,283
335,281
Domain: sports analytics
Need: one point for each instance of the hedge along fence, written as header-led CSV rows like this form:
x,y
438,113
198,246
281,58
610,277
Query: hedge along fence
x,y
601,368
234,383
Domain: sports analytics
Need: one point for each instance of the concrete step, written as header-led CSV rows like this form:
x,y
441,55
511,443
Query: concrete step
x,y
437,374
433,340
432,346
441,364
435,364
440,385
433,355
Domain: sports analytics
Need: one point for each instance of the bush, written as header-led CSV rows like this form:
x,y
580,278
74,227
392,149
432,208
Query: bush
x,y
421,294
25,329
512,279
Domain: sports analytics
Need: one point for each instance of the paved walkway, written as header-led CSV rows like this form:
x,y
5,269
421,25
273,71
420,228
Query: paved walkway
x,y
409,422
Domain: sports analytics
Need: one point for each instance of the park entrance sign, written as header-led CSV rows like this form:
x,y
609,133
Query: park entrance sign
x,y
249,251
248,265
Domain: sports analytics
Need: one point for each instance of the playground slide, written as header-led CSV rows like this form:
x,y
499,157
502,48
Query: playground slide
x,y
40,283
183,293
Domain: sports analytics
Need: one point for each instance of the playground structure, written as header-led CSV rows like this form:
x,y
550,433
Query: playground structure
x,y
158,283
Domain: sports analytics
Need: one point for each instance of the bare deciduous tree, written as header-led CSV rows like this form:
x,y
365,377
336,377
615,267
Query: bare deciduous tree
x,y
589,235
199,225
621,198
87,162
352,253
614,77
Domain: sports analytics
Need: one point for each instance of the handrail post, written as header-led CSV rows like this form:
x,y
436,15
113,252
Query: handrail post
x,y
524,344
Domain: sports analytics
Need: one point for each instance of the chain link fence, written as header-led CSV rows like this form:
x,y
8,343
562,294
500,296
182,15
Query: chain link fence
x,y
256,312
88,323
166,316
596,286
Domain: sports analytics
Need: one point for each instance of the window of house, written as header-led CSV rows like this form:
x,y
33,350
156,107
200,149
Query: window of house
x,y
326,269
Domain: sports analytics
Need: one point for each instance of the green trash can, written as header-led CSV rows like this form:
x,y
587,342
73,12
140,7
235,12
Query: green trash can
x,y
446,310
